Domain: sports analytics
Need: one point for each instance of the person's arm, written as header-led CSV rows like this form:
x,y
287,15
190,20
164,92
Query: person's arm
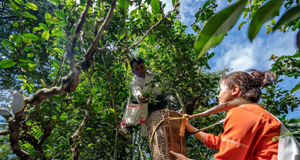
x,y
198,135
137,91
179,156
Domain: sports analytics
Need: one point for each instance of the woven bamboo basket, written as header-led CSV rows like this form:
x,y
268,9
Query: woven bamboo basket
x,y
166,136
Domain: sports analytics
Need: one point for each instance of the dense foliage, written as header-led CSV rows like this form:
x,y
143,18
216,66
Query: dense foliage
x,y
80,53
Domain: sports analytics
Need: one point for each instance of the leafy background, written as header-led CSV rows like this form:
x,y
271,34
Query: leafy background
x,y
40,47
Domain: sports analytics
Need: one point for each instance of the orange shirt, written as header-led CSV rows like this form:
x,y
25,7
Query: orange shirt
x,y
248,133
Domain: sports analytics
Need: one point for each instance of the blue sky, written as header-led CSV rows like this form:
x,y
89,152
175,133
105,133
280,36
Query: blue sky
x,y
236,51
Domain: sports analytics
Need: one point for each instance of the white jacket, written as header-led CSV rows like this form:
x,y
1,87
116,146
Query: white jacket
x,y
138,85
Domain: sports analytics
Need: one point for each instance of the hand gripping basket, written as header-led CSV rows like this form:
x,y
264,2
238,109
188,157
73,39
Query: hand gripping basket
x,y
166,136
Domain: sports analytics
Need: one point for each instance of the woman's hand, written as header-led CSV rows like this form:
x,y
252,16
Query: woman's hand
x,y
143,99
188,126
179,156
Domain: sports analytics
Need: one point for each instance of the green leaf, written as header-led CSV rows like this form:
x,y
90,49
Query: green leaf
x,y
43,26
174,2
269,30
262,15
28,15
7,63
296,55
273,21
88,34
123,4
288,16
63,23
121,33
30,36
45,35
55,1
6,42
217,27
20,77
14,5
241,25
26,41
297,87
16,38
155,6
296,26
27,60
60,14
52,20
31,6
58,50
63,117
294,122
19,2
111,110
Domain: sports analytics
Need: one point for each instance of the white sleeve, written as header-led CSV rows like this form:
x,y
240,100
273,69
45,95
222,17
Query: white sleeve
x,y
136,89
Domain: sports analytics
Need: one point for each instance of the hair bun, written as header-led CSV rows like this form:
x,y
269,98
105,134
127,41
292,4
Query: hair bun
x,y
262,79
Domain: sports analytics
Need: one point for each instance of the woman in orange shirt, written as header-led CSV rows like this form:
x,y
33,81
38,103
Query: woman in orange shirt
x,y
248,129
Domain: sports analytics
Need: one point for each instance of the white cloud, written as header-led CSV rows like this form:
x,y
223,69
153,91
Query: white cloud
x,y
238,53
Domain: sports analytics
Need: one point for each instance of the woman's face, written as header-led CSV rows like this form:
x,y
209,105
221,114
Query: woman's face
x,y
225,94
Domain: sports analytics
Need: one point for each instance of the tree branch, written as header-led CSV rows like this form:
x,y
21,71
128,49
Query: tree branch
x,y
13,125
5,132
85,64
69,82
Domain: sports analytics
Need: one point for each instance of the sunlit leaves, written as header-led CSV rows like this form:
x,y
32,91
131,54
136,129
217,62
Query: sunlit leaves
x,y
155,6
31,6
14,5
288,16
7,63
27,41
19,2
28,15
45,35
217,26
31,36
262,15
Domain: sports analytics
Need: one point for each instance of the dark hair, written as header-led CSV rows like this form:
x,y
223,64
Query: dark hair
x,y
137,60
250,82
